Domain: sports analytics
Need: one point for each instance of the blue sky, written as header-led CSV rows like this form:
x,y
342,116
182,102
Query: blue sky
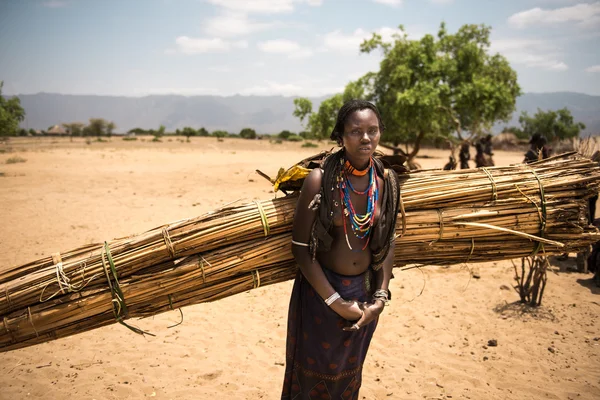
x,y
268,47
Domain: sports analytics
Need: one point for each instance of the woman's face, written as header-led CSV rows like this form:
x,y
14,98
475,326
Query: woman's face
x,y
361,134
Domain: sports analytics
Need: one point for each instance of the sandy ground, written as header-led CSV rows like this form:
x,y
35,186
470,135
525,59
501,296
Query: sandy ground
x,y
432,345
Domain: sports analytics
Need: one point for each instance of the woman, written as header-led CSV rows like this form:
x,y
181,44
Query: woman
x,y
343,242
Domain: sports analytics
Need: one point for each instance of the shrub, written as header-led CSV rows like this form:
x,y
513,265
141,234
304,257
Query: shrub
x,y
156,139
309,144
294,138
129,138
15,159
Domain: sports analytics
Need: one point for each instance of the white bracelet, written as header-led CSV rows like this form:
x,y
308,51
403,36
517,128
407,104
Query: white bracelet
x,y
329,301
300,243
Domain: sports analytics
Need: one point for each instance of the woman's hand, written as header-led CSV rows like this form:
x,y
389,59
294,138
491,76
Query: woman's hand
x,y
370,312
349,310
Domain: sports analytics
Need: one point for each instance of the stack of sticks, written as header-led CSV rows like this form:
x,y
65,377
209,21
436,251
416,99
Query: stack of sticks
x,y
448,217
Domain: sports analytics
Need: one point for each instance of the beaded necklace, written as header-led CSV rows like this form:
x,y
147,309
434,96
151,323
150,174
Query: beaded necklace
x,y
354,171
361,224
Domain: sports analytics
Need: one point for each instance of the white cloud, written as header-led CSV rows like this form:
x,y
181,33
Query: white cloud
x,y
54,4
188,45
262,6
593,68
338,41
533,53
281,46
231,24
304,88
284,46
393,3
585,15
220,68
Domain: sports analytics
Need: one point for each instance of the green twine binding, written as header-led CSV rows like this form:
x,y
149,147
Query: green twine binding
x,y
491,178
180,313
263,218
540,245
119,307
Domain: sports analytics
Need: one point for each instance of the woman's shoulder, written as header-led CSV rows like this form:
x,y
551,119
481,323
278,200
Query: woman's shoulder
x,y
312,182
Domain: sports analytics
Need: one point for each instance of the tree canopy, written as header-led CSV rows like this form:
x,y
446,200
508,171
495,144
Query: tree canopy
x,y
554,125
431,86
248,133
11,114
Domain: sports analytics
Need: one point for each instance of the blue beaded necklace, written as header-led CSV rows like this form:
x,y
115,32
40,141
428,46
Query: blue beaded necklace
x,y
361,224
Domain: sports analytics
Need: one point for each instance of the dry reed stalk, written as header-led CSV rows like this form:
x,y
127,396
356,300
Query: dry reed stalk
x,y
155,274
236,268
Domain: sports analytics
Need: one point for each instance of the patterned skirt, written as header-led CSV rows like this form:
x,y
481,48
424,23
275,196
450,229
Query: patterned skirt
x,y
323,361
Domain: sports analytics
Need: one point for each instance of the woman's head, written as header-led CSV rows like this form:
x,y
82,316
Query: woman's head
x,y
346,111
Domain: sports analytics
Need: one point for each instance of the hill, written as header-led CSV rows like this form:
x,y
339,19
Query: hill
x,y
266,114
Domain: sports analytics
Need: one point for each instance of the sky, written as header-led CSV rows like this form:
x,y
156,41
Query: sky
x,y
273,47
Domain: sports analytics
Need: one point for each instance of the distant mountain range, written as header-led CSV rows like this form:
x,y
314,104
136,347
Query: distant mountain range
x,y
265,114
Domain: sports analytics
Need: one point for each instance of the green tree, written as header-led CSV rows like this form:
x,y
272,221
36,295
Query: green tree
x,y
320,123
302,108
161,131
219,134
11,114
438,85
137,131
248,133
203,132
96,127
110,127
555,125
285,134
74,128
188,131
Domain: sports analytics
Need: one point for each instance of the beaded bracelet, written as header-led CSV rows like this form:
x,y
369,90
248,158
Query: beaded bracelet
x,y
381,294
329,301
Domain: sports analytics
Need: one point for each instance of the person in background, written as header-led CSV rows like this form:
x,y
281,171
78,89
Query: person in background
x,y
484,153
464,155
451,164
538,149
343,242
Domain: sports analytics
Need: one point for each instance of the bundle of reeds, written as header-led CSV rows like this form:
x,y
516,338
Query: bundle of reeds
x,y
450,217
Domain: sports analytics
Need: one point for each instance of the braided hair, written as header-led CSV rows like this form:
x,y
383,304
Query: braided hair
x,y
348,108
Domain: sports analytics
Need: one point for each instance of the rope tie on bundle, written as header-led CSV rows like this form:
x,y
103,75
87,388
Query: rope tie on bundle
x,y
472,249
263,218
168,242
540,245
12,336
255,280
494,188
201,262
403,214
441,222
118,300
180,312
63,281
7,297
31,322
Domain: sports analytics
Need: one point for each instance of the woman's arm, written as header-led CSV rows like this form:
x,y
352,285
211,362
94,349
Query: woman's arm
x,y
301,232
